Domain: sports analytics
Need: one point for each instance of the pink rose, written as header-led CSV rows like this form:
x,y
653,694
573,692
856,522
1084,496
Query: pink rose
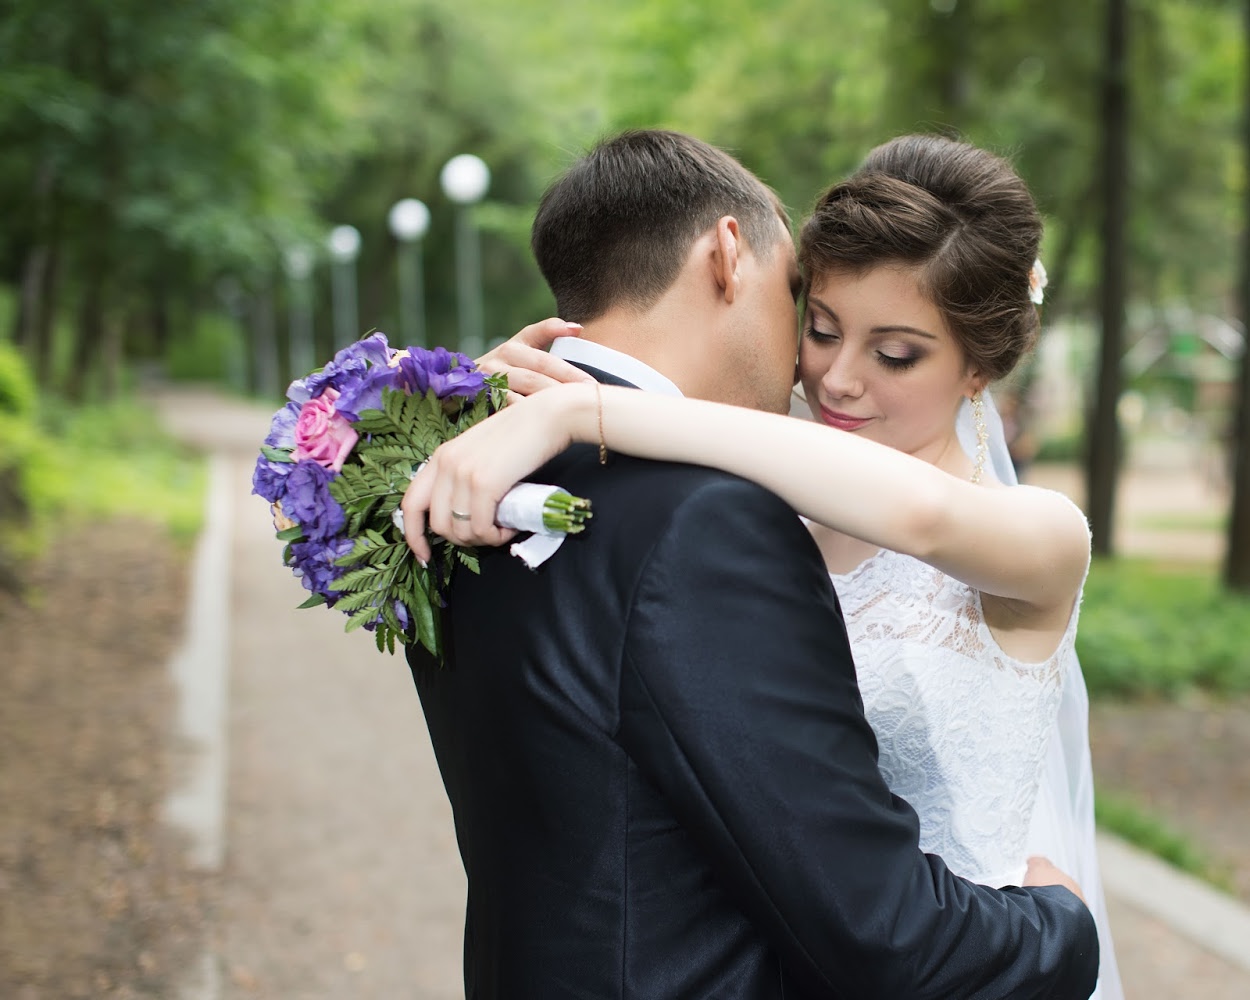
x,y
323,435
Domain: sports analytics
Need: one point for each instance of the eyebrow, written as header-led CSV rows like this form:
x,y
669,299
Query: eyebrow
x,y
890,328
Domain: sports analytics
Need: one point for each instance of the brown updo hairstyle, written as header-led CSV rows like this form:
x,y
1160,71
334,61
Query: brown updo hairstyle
x,y
961,217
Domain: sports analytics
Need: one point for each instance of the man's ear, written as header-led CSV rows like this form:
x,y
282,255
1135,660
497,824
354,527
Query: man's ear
x,y
725,257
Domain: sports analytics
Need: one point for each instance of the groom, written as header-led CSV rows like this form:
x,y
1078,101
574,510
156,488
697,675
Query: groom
x,y
663,782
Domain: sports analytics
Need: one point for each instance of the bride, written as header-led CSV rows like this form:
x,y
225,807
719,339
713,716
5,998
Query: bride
x,y
960,588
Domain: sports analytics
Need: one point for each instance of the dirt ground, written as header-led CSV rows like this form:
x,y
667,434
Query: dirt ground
x,y
1187,764
94,897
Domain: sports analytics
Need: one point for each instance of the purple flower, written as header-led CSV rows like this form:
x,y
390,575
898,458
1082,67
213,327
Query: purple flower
x,y
401,613
366,393
467,382
282,427
269,478
349,366
314,565
448,373
308,502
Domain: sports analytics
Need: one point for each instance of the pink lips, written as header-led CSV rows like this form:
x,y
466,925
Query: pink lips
x,y
842,421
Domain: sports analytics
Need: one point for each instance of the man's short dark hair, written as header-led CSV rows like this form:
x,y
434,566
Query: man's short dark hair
x,y
617,227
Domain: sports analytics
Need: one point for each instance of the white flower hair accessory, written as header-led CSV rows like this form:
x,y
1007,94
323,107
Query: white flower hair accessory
x,y
1037,283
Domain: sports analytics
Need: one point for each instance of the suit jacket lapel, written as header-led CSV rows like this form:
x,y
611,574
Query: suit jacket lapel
x,y
599,375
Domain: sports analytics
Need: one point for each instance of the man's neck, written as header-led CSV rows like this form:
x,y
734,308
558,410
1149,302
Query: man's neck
x,y
655,340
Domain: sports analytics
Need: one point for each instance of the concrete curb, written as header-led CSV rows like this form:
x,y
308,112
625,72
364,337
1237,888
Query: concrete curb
x,y
196,806
1193,909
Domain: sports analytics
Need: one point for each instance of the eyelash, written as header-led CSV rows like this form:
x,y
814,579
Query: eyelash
x,y
888,360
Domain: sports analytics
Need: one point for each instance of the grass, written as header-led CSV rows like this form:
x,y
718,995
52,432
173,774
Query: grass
x,y
122,465
1156,629
62,465
1122,816
1183,522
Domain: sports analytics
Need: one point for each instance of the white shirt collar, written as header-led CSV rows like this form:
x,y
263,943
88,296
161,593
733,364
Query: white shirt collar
x,y
615,363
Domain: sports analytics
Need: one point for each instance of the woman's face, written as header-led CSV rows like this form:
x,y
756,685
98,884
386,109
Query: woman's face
x,y
878,360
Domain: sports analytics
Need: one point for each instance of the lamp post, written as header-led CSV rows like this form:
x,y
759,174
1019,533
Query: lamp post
x,y
464,180
409,220
230,294
344,247
297,261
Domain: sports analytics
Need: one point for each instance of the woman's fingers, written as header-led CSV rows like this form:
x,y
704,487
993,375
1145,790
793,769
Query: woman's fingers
x,y
524,358
482,503
457,492
457,505
543,333
415,504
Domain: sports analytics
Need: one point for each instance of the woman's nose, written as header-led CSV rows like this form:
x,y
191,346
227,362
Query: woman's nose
x,y
842,379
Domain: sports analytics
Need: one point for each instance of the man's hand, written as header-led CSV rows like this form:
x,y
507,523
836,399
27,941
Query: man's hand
x,y
524,359
1042,872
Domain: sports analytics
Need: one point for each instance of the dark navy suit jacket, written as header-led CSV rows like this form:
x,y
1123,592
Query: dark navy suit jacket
x,y
664,785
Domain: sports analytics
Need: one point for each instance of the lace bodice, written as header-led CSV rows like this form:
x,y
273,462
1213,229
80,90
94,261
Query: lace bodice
x,y
962,727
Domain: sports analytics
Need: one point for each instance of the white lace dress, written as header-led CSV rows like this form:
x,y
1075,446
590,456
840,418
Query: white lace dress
x,y
962,727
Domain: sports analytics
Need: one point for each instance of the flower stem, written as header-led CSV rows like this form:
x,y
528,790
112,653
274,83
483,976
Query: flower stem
x,y
565,512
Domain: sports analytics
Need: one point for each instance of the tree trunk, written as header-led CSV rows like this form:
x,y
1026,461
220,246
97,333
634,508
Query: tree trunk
x,y
1237,557
1103,431
112,350
29,303
89,348
45,335
268,381
160,317
34,310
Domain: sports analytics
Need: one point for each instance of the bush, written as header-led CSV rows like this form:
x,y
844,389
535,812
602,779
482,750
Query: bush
x,y
120,464
1062,448
18,442
1148,629
59,464
1125,817
211,352
17,389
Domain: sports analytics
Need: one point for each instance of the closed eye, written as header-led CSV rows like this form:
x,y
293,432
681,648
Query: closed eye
x,y
898,363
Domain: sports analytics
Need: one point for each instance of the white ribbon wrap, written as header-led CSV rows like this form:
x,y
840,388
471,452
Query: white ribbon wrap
x,y
521,509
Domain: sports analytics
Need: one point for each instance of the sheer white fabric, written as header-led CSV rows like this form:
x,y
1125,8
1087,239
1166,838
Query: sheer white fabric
x,y
1062,827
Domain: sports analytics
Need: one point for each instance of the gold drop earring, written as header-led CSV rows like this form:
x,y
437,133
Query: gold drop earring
x,y
983,437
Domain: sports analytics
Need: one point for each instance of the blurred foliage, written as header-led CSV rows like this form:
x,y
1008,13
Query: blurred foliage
x,y
62,465
1153,629
208,352
123,466
157,157
1122,815
1068,448
17,388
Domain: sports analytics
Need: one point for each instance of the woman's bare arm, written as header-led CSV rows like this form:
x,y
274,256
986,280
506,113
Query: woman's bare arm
x,y
1021,544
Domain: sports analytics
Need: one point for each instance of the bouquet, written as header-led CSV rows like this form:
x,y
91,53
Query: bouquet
x,y
334,468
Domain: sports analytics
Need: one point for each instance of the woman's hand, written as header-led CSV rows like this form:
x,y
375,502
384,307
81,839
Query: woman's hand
x,y
471,473
524,359
1042,871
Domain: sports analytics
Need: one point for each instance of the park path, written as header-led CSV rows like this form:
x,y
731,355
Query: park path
x,y
340,877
